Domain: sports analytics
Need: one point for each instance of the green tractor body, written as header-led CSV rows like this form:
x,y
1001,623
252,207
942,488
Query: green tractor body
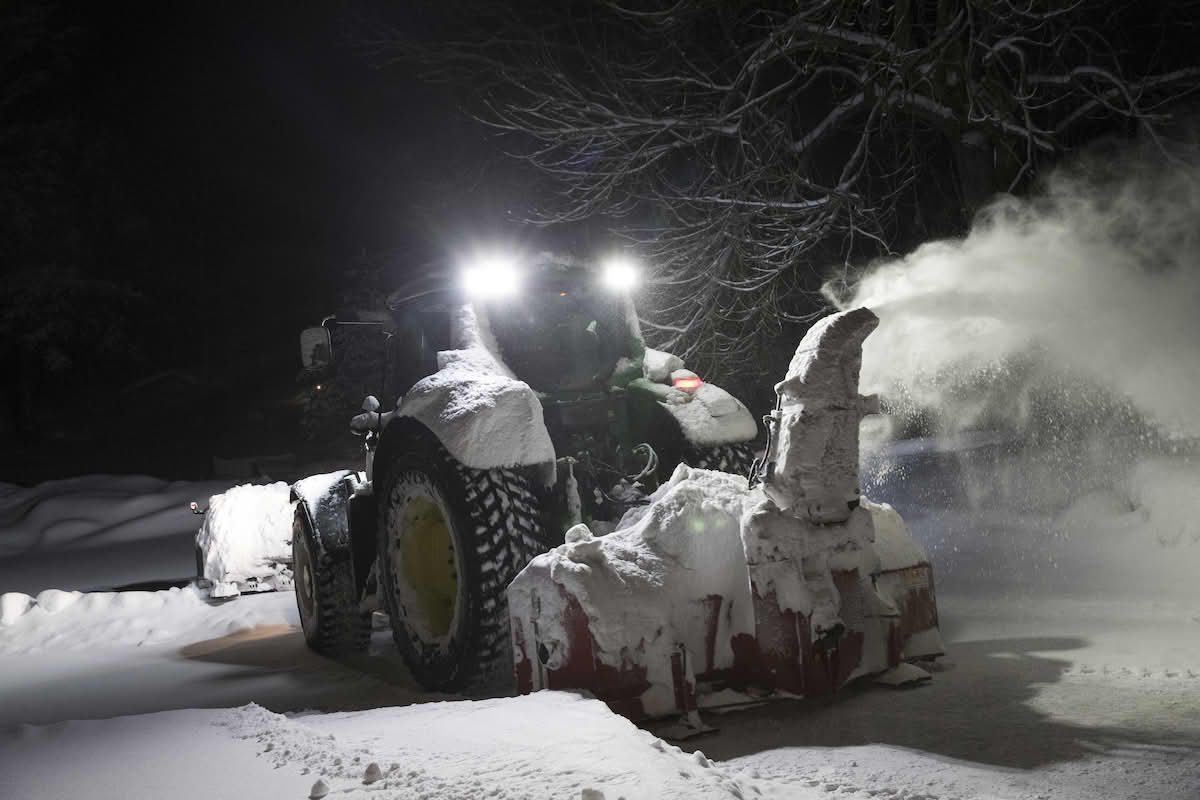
x,y
516,415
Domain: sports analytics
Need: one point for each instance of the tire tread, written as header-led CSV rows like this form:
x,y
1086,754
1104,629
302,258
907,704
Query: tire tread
x,y
503,520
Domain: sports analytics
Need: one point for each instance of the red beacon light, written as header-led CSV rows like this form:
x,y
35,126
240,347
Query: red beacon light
x,y
690,384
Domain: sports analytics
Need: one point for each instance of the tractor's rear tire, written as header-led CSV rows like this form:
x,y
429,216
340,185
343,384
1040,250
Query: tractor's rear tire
x,y
736,459
451,539
330,614
673,448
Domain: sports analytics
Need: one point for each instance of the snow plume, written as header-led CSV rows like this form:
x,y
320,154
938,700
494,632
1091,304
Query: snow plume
x,y
1067,327
1094,283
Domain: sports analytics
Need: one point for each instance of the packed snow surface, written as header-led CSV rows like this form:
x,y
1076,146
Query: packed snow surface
x,y
247,532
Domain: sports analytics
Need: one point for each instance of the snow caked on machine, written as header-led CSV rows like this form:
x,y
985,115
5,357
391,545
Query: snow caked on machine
x,y
723,590
519,399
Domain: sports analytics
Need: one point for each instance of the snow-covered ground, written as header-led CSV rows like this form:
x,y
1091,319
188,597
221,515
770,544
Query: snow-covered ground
x,y
99,531
1072,671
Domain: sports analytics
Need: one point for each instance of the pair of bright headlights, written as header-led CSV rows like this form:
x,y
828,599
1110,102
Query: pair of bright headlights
x,y
497,277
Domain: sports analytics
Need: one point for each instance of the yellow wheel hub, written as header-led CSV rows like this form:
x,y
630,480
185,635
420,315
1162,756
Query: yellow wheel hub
x,y
428,562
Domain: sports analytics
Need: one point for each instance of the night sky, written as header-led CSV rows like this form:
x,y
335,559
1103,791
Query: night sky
x,y
276,131
236,162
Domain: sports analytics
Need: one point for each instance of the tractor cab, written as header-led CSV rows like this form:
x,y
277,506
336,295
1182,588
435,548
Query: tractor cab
x,y
563,329
559,326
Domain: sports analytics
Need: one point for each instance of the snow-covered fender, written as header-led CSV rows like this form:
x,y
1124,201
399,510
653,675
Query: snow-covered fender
x,y
341,515
707,416
484,418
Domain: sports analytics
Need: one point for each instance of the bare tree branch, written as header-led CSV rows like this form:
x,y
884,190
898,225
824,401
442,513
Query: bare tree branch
x,y
747,146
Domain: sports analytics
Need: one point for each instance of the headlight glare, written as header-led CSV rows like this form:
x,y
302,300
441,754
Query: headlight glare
x,y
620,275
491,277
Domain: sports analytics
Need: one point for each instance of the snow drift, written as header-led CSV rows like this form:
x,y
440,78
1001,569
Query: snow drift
x,y
550,745
94,511
98,531
55,620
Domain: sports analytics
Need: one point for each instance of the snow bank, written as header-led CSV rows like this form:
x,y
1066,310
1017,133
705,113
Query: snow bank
x,y
549,744
96,511
483,415
56,620
12,606
247,532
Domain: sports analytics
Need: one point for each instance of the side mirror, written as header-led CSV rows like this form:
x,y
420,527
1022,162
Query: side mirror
x,y
316,348
370,403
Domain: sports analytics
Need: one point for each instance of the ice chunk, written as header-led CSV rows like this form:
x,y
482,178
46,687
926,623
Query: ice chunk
x,y
13,606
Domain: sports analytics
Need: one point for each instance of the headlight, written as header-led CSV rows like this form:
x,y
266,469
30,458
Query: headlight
x,y
491,277
620,275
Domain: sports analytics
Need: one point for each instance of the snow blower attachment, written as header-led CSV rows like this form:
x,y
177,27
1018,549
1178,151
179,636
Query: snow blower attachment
x,y
719,593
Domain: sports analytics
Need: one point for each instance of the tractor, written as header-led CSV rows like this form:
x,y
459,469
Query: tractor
x,y
525,402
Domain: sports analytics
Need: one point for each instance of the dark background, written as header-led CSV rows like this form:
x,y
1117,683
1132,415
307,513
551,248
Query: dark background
x,y
185,186
190,185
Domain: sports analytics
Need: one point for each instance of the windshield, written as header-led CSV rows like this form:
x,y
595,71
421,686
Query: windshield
x,y
560,336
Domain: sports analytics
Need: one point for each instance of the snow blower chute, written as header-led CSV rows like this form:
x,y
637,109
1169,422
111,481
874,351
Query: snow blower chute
x,y
723,590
